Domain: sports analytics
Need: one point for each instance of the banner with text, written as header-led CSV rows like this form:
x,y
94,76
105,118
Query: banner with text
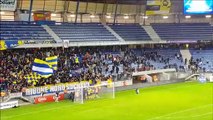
x,y
8,5
158,7
48,98
5,105
10,44
53,88
42,16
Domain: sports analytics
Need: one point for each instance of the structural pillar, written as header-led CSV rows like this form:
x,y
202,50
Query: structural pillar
x,y
30,10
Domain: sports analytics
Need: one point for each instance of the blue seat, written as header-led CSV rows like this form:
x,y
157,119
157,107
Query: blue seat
x,y
193,31
83,32
19,30
206,57
130,32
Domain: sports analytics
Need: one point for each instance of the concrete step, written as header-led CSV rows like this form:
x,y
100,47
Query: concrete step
x,y
151,32
52,33
114,33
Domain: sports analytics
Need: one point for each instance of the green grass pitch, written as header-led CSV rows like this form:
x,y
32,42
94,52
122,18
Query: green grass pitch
x,y
180,101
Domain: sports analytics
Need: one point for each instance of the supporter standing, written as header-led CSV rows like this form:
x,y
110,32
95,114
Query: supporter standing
x,y
56,96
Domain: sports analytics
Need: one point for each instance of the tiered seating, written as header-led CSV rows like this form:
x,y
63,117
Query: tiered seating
x,y
162,58
22,31
83,32
172,56
206,57
131,32
193,31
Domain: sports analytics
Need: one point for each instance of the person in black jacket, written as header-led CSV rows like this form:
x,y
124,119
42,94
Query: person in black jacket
x,y
56,96
72,96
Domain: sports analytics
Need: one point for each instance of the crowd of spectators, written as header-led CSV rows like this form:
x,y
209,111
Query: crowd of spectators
x,y
197,65
74,65
158,60
91,64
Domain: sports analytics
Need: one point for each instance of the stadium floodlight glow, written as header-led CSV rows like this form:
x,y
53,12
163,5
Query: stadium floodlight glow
x,y
72,15
108,16
2,13
188,16
145,17
92,16
208,16
126,17
53,14
165,17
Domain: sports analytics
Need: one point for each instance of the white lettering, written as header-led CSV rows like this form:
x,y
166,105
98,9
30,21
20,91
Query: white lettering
x,y
61,87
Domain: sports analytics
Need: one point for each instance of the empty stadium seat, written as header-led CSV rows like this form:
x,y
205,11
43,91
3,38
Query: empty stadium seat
x,y
131,32
18,30
83,32
184,31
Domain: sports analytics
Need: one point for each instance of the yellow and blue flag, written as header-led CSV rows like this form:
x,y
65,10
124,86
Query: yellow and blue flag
x,y
32,77
53,61
43,68
158,7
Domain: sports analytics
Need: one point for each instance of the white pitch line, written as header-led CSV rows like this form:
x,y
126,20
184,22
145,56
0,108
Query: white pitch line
x,y
27,113
188,116
173,113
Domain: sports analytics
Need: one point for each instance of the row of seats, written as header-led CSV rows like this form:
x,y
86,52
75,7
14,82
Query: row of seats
x,y
130,32
97,32
23,31
83,32
184,31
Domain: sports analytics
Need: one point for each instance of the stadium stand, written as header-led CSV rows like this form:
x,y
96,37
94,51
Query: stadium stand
x,y
184,31
202,59
162,58
97,32
86,51
131,32
80,64
22,31
91,66
83,32
100,62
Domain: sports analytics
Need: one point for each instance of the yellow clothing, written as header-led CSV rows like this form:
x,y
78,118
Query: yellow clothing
x,y
76,60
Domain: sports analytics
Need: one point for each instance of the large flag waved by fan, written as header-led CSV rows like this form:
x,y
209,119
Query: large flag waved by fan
x,y
53,61
43,68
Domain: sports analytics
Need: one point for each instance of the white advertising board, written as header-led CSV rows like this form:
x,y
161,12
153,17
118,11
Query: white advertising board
x,y
5,105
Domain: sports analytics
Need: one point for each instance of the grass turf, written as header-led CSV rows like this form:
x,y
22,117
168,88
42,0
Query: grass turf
x,y
181,101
